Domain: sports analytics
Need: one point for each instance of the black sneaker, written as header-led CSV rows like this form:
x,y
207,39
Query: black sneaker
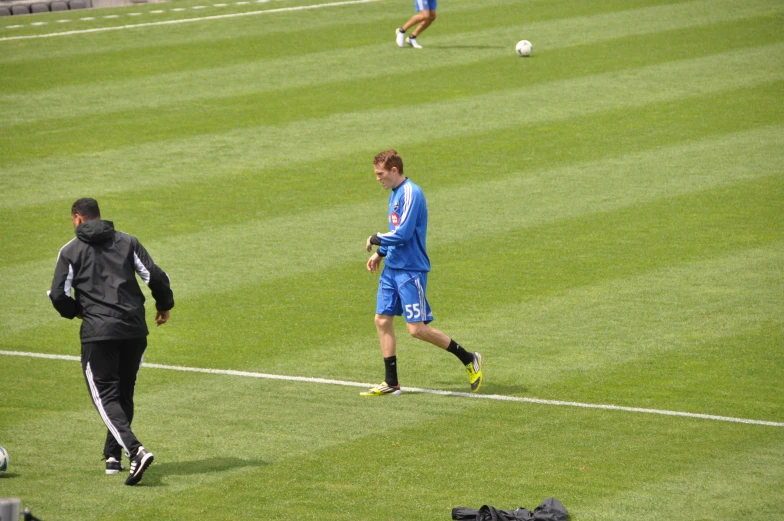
x,y
113,465
139,464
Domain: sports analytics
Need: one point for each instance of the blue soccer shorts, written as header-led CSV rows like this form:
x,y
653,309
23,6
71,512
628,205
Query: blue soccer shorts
x,y
402,292
425,5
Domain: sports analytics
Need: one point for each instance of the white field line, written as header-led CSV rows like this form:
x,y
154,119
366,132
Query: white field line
x,y
186,20
498,397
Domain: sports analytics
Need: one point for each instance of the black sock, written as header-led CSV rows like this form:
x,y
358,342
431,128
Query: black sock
x,y
390,363
456,349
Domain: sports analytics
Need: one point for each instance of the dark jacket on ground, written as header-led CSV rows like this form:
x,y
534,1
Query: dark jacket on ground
x,y
550,510
101,264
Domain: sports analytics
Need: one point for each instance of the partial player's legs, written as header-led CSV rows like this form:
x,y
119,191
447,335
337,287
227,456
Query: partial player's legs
x,y
386,335
403,293
130,363
112,454
101,367
426,15
130,360
427,18
471,361
422,331
412,290
111,449
110,369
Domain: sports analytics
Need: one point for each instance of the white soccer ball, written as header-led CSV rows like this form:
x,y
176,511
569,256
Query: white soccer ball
x,y
524,48
3,460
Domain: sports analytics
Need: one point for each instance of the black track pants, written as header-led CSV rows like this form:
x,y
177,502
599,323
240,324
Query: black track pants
x,y
110,369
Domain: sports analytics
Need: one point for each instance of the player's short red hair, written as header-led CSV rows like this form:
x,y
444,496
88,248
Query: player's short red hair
x,y
389,158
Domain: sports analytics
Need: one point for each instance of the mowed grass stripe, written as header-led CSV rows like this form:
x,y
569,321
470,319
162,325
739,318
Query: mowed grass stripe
x,y
463,15
255,148
166,395
417,390
289,191
732,373
220,114
555,464
269,249
166,16
214,39
212,80
705,488
584,331
177,19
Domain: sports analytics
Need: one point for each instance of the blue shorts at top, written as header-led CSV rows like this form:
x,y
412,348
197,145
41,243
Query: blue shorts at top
x,y
425,5
402,292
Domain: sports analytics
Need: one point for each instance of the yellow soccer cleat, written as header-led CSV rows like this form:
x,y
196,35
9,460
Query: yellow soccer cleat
x,y
474,370
381,390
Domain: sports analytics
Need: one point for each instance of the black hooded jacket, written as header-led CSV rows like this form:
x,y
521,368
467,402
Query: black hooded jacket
x,y
101,265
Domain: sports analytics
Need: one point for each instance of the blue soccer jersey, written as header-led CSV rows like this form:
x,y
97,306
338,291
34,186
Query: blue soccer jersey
x,y
404,244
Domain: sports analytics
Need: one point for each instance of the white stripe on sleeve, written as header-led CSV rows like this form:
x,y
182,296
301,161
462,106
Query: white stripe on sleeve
x,y
406,203
141,269
69,280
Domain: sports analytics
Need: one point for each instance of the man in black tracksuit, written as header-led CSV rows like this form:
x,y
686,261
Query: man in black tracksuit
x,y
101,265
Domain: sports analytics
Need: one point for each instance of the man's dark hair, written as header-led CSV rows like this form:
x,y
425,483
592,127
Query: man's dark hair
x,y
87,207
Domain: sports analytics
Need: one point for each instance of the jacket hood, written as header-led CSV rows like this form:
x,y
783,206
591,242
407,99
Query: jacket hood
x,y
95,231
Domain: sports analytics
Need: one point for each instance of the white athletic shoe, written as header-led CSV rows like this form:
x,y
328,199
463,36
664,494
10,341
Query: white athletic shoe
x,y
400,38
413,43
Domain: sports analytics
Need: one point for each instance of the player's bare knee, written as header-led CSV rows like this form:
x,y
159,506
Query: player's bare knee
x,y
382,320
432,16
417,330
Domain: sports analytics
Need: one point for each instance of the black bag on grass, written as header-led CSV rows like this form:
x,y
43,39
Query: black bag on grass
x,y
550,510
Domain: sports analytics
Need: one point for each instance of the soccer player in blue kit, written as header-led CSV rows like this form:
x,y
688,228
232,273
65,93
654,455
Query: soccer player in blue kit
x,y
401,288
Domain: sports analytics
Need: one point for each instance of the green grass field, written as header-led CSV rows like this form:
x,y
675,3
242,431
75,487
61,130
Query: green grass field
x,y
606,227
